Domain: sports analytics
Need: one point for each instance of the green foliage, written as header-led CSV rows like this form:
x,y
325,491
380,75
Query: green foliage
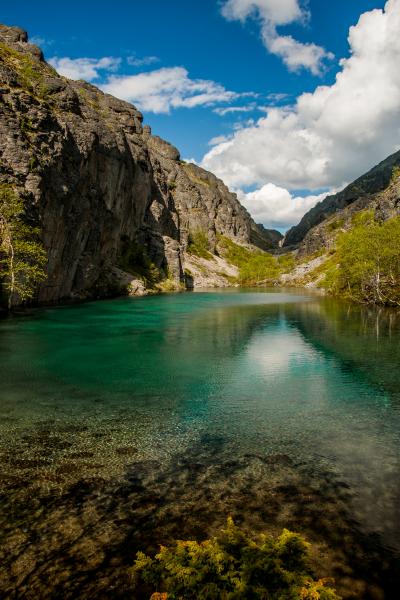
x,y
254,265
367,261
232,566
23,63
286,262
22,256
134,260
194,175
198,244
33,163
30,72
396,173
335,224
26,125
171,185
169,285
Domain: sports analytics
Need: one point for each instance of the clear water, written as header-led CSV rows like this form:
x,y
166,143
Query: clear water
x,y
126,423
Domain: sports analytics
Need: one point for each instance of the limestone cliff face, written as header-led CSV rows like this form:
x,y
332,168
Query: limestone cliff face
x,y
98,183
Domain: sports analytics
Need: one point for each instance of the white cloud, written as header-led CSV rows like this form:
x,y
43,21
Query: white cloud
x,y
278,12
294,54
84,68
275,206
274,13
218,139
333,134
136,61
226,110
163,89
276,98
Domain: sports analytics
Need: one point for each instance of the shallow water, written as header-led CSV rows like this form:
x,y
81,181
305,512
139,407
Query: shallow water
x,y
127,423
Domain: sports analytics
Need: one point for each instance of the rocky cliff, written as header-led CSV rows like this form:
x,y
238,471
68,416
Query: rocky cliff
x,y
356,196
109,197
378,192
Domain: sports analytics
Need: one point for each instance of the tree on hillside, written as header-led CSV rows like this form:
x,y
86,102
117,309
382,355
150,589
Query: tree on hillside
x,y
368,258
22,256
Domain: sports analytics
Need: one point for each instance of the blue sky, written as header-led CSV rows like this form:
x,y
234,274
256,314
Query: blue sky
x,y
238,47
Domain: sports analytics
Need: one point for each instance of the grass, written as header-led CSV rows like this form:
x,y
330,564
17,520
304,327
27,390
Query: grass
x,y
199,245
30,72
254,265
335,224
171,186
193,177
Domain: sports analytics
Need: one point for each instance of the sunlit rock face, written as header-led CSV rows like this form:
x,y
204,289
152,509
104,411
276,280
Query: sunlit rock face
x,y
98,182
377,189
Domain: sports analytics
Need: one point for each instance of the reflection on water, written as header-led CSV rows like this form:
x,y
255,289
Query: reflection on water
x,y
126,423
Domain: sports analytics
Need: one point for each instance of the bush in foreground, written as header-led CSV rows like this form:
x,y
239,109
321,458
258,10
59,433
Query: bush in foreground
x,y
232,566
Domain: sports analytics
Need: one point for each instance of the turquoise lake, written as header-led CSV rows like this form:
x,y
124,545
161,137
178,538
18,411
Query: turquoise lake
x,y
130,422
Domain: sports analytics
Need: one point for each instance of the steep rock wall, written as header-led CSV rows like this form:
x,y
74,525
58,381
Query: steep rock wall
x,y
360,192
98,183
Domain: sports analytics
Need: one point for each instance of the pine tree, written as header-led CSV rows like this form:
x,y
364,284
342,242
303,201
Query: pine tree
x,y
22,256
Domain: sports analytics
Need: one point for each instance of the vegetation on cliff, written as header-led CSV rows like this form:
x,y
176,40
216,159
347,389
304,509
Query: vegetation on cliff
x,y
198,244
255,266
233,565
22,256
367,261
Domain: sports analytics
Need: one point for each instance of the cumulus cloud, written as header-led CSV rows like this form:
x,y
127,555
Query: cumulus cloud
x,y
278,12
275,206
333,134
272,14
218,139
88,69
163,89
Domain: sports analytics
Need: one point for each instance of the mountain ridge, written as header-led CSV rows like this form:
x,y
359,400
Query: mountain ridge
x,y
110,198
366,186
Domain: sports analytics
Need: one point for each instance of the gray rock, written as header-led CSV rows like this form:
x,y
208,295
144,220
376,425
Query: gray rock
x,y
100,187
363,188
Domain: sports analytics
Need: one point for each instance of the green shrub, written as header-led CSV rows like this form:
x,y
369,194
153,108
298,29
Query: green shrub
x,y
396,173
134,260
286,262
254,265
198,244
335,224
232,566
367,261
169,285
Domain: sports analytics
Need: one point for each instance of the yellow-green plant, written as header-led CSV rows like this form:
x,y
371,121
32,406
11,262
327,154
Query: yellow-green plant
x,y
22,256
232,566
199,245
254,265
368,261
